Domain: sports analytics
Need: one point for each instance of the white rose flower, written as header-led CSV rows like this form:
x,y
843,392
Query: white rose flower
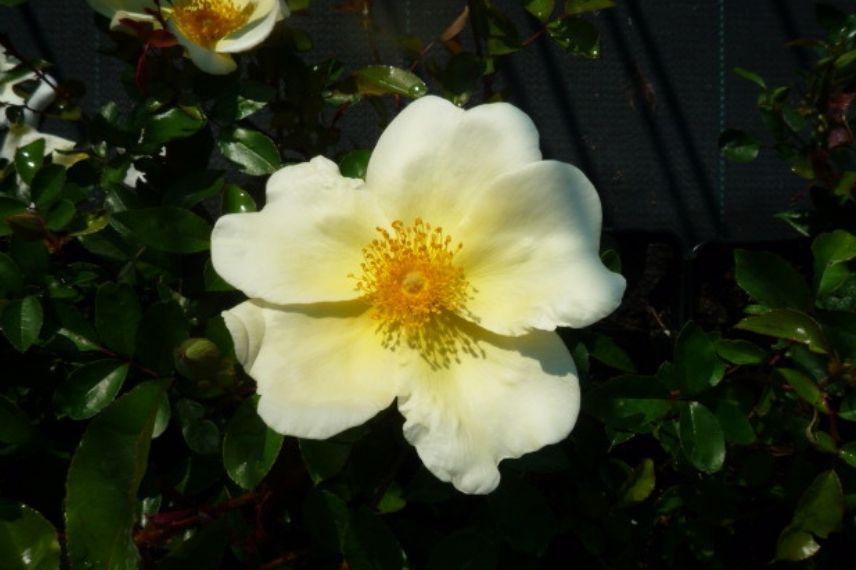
x,y
439,282
9,76
22,135
209,30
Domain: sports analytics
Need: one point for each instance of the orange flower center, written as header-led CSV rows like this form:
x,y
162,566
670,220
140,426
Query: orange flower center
x,y
410,279
205,22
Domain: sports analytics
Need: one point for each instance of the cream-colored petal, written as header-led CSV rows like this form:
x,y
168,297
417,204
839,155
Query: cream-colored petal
x,y
435,158
282,11
22,135
38,101
117,24
302,246
261,23
320,369
205,59
516,395
530,250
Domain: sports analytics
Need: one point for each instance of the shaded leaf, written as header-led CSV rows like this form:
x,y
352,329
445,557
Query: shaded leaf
x,y
22,322
740,351
787,324
90,388
770,280
173,124
27,540
250,448
167,228
695,366
702,440
804,387
254,153
582,6
324,459
103,478
389,80
738,145
117,316
576,36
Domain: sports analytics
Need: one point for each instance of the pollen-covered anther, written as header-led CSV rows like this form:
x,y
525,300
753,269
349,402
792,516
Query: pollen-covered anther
x,y
205,22
410,279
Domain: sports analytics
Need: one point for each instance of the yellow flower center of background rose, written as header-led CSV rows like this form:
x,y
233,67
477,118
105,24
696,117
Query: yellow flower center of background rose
x,y
410,279
205,22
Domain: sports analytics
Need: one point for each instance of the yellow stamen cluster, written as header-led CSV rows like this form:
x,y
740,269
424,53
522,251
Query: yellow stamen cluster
x,y
413,285
206,22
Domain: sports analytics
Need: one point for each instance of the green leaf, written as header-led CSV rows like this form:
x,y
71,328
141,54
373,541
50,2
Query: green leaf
x,y
787,324
176,123
738,145
117,316
255,153
629,402
582,6
324,459
202,550
702,440
740,352
847,411
60,215
27,540
819,512
167,228
389,80
29,159
541,9
734,422
201,435
237,200
771,280
831,252
9,207
194,188
250,448
603,349
10,276
90,388
47,185
162,329
696,362
103,479
751,76
22,322
15,426
804,387
355,164
369,544
848,453
576,36
639,485
242,100
326,519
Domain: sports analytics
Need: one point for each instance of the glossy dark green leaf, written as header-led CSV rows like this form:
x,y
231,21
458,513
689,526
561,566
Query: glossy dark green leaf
x,y
237,201
254,153
576,36
201,435
250,448
29,159
629,402
522,515
582,6
167,228
541,9
819,513
804,387
355,163
740,351
103,478
324,459
831,252
702,440
27,540
738,145
22,321
389,80
10,276
326,518
847,453
90,388
243,100
117,316
771,280
60,215
787,324
695,365
46,186
176,123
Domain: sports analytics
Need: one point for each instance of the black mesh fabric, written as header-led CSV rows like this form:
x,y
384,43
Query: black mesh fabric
x,y
642,121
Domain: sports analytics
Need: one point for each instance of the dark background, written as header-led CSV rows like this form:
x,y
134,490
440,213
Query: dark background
x,y
642,121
